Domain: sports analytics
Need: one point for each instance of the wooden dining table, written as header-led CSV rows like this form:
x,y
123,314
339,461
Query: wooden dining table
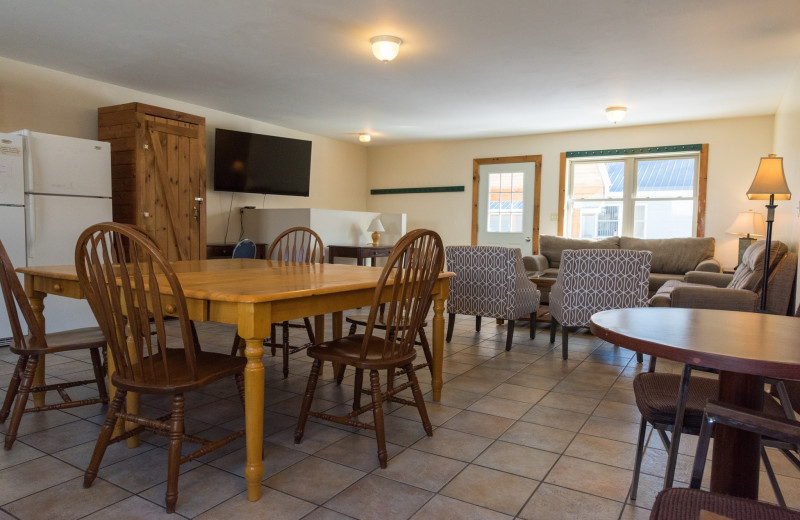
x,y
252,294
744,346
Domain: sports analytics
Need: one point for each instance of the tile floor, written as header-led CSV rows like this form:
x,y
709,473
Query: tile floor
x,y
518,434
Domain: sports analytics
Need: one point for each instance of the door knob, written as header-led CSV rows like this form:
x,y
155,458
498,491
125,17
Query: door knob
x,y
527,239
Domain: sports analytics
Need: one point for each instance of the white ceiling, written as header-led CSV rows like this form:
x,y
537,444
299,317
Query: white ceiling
x,y
467,68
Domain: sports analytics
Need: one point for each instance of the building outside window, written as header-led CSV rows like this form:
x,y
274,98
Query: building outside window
x,y
644,196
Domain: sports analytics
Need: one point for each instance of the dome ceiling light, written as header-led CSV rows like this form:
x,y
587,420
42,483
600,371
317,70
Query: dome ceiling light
x,y
385,47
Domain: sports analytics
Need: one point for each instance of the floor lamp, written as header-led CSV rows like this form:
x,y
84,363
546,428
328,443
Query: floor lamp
x,y
769,184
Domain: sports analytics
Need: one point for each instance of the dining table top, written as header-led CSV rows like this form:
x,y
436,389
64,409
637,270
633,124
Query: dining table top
x,y
743,342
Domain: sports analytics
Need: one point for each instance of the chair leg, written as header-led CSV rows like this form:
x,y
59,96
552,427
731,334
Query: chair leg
x,y
377,416
533,325
353,328
553,327
426,348
103,439
238,345
273,343
99,376
174,454
311,387
509,334
285,327
239,379
13,387
309,330
776,488
564,342
21,400
678,427
639,358
637,465
451,321
357,385
477,323
420,402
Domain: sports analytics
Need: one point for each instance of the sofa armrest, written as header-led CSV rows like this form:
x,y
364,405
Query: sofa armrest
x,y
711,265
714,298
535,262
716,279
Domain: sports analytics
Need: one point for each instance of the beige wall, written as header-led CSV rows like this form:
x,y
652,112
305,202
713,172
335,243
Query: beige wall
x,y
53,102
787,145
735,146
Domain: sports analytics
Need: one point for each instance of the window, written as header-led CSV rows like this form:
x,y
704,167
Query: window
x,y
644,195
504,214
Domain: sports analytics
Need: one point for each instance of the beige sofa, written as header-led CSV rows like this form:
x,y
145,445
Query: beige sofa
x,y
672,257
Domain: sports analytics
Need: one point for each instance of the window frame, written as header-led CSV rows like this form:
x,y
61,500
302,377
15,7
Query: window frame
x,y
639,153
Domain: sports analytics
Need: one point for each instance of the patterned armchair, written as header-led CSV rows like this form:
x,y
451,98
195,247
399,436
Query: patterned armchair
x,y
490,281
594,280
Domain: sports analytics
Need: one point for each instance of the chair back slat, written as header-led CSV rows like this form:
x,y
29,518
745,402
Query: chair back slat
x,y
409,274
14,297
124,276
297,244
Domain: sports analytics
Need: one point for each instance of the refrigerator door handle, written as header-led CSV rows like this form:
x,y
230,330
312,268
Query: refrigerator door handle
x,y
30,235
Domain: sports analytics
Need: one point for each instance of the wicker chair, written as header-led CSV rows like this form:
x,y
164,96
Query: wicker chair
x,y
120,268
594,280
297,244
34,347
682,503
411,297
490,282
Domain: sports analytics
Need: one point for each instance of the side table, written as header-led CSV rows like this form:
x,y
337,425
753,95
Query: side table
x,y
360,253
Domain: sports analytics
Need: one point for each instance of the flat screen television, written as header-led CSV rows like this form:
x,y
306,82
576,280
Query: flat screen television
x,y
257,163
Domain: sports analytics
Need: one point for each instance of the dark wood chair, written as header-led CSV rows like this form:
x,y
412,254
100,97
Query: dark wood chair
x,y
120,268
33,347
410,286
297,244
681,503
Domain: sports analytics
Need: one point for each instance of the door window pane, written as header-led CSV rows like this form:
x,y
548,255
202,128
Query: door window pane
x,y
506,202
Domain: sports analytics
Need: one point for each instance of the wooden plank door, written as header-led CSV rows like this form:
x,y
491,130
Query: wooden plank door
x,y
174,186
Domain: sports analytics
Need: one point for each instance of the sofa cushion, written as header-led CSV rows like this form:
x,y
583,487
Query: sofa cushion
x,y
551,246
659,279
750,272
672,255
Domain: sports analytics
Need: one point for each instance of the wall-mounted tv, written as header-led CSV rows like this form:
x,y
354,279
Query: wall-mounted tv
x,y
257,163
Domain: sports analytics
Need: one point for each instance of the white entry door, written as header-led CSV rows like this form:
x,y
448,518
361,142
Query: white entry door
x,y
505,205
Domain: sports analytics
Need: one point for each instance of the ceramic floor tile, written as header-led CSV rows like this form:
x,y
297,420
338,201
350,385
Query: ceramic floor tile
x,y
322,513
357,451
611,429
134,508
571,403
378,498
553,417
424,470
314,480
33,476
445,508
518,393
604,451
618,411
20,453
519,460
538,436
485,425
492,489
281,507
69,499
590,477
453,444
558,503
501,407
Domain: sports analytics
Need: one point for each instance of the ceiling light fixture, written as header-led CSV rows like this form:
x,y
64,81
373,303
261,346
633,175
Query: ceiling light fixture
x,y
616,114
364,138
385,47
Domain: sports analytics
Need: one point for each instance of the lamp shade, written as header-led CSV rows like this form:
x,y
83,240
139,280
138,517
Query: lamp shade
x,y
749,224
769,180
376,225
385,47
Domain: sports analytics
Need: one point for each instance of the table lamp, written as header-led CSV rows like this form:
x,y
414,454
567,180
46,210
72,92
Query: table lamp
x,y
769,184
749,225
377,228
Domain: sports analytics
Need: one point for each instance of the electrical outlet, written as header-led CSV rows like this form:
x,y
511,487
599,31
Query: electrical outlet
x,y
554,217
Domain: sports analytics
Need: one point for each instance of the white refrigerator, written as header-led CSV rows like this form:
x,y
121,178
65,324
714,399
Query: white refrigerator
x,y
52,187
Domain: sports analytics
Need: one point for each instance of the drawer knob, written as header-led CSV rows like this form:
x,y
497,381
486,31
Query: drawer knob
x,y
57,287
171,308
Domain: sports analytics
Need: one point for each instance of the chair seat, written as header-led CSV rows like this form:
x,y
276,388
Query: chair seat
x,y
656,397
347,350
210,367
89,337
683,503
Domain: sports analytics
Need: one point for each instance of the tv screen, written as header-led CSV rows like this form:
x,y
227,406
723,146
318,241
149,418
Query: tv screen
x,y
256,163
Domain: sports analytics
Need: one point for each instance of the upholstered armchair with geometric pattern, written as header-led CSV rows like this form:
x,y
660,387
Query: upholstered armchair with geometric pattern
x,y
594,280
491,282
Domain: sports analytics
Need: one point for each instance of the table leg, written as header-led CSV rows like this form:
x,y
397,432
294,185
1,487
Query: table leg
x,y
254,324
37,304
736,457
438,345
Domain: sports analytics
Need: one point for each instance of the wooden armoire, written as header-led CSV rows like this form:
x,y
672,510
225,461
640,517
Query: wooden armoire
x,y
158,169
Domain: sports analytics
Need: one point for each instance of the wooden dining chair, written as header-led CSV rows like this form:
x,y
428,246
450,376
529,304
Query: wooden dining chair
x,y
297,244
123,275
245,248
31,349
409,287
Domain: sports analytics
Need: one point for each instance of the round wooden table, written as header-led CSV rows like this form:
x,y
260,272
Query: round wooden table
x,y
743,346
